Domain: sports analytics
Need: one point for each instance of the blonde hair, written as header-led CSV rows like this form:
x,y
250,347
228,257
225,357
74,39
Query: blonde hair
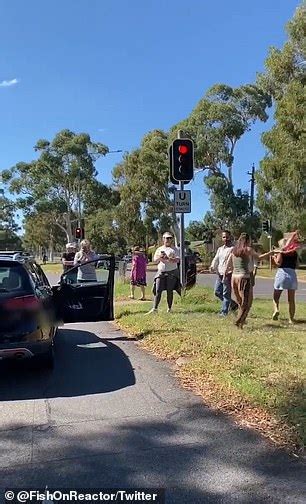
x,y
85,244
282,243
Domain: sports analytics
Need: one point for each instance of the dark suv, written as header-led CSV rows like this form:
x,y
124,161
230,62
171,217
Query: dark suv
x,y
27,317
31,310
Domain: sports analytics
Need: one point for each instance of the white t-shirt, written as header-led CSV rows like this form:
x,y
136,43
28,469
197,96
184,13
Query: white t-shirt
x,y
172,252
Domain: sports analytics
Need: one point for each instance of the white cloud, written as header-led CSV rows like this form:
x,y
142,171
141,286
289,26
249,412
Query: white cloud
x,y
8,83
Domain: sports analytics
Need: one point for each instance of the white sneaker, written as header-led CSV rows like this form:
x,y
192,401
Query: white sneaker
x,y
169,310
153,310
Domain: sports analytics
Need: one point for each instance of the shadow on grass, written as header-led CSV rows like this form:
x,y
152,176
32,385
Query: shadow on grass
x,y
126,313
275,326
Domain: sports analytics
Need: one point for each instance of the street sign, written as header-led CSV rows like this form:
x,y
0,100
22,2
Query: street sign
x,y
182,201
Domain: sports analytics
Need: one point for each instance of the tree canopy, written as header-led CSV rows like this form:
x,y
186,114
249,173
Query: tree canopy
x,y
282,176
58,177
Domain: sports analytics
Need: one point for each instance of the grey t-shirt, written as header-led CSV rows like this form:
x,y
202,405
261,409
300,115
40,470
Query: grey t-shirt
x,y
86,272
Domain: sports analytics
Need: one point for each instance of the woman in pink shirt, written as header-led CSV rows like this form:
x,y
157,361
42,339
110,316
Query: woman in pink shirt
x,y
138,273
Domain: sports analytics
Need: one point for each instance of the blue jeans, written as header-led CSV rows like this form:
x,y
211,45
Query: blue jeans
x,y
223,291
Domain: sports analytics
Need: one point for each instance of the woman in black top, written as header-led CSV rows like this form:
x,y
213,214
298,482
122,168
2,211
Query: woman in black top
x,y
285,279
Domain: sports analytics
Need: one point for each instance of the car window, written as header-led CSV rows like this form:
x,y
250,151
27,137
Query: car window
x,y
40,274
93,271
33,273
14,279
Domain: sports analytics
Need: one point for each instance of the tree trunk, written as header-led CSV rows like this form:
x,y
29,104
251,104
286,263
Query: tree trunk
x,y
68,225
51,248
230,175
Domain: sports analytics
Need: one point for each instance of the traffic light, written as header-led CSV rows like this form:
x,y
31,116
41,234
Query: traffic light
x,y
181,160
79,233
266,226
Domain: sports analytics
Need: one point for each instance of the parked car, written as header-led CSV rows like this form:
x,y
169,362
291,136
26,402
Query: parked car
x,y
197,257
31,310
104,263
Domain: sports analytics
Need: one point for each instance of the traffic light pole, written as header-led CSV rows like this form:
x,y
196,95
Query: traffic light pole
x,y
182,235
182,247
270,246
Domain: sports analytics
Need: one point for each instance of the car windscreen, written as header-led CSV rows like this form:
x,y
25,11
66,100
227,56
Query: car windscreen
x,y
14,280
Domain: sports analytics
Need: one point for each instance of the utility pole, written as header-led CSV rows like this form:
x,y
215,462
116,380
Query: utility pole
x,y
252,173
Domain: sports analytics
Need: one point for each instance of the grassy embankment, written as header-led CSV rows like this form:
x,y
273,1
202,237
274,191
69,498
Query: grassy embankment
x,y
257,374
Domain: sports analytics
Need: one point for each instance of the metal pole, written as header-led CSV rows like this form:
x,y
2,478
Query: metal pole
x,y
270,242
182,247
182,236
79,199
79,204
252,189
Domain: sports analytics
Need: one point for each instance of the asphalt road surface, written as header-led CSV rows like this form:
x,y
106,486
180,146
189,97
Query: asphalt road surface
x,y
263,286
112,416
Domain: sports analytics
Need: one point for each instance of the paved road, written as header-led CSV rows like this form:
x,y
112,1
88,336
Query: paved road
x,y
110,415
263,286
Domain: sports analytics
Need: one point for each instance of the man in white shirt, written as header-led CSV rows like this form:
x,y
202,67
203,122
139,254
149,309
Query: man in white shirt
x,y
223,288
167,278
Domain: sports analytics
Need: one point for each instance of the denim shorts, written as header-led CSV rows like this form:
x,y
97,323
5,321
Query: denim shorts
x,y
285,279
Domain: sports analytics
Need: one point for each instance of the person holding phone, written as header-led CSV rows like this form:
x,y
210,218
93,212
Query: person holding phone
x,y
167,279
84,258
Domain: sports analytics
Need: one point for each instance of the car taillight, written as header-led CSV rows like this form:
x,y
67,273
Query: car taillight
x,y
23,302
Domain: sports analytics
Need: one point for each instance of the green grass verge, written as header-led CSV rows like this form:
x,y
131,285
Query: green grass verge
x,y
258,373
52,267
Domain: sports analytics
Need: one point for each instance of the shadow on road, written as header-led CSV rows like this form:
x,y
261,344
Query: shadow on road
x,y
197,456
84,365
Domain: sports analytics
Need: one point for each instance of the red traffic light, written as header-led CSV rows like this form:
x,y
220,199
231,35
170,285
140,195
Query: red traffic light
x,y
183,149
79,233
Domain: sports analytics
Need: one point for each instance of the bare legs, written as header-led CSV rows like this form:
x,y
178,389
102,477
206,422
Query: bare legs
x,y
132,295
291,302
276,298
143,292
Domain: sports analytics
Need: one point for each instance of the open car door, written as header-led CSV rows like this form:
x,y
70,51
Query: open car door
x,y
87,301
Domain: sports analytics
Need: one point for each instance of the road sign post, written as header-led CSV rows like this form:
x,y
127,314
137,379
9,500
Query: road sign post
x,y
181,171
182,201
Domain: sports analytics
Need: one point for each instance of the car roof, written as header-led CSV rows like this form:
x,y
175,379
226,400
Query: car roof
x,y
17,255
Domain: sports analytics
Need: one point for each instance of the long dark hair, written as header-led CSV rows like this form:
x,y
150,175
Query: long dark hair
x,y
242,246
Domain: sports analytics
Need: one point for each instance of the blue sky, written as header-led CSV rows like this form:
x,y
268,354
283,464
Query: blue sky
x,y
119,68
